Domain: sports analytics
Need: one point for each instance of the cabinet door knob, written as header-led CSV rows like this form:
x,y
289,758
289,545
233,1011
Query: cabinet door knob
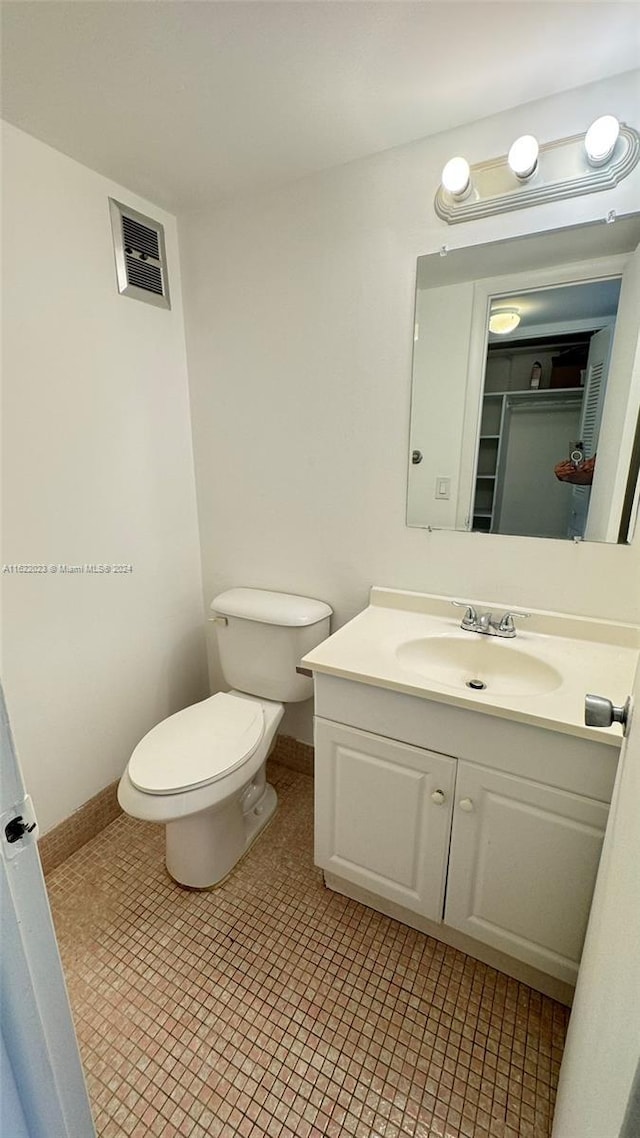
x,y
438,797
467,805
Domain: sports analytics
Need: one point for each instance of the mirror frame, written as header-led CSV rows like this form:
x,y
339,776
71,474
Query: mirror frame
x,y
559,256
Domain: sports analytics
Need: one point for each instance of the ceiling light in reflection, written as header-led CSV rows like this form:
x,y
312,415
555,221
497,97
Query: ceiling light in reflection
x,y
502,321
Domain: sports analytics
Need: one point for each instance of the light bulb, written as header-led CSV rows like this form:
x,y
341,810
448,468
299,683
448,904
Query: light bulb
x,y
523,156
455,177
504,320
601,138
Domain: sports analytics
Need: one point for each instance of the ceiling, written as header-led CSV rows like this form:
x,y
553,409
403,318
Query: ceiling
x,y
191,103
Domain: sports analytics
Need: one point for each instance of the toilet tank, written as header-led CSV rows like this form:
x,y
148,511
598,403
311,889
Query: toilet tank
x,y
262,636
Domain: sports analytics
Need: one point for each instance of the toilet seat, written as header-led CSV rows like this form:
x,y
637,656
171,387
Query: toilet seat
x,y
197,746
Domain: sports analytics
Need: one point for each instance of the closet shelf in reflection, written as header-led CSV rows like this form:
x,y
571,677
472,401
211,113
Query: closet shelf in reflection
x,y
530,391
491,457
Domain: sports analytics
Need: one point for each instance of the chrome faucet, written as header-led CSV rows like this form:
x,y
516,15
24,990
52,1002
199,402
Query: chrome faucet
x,y
484,623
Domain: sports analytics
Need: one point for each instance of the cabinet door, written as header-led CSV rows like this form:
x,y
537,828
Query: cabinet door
x,y
383,815
523,866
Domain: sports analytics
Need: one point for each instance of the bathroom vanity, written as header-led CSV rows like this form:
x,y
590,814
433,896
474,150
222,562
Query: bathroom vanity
x,y
474,814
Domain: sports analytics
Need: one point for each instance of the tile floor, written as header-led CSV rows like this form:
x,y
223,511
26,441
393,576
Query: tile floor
x,y
272,1006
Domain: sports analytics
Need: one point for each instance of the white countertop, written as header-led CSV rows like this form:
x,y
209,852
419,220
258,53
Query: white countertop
x,y
592,656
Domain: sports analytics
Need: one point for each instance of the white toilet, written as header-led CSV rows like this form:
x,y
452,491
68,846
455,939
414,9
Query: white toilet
x,y
201,772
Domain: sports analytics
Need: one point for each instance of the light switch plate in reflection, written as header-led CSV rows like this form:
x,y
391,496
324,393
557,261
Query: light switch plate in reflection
x,y
443,486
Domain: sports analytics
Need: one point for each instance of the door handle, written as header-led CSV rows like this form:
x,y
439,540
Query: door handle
x,y
601,712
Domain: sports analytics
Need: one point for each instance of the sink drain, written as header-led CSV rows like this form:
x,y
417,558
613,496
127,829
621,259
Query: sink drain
x,y
476,685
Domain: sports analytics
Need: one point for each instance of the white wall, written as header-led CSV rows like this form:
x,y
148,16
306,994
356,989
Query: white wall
x,y
531,499
299,335
97,468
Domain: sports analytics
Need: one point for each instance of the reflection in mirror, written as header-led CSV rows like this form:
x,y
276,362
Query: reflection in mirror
x,y
545,380
524,399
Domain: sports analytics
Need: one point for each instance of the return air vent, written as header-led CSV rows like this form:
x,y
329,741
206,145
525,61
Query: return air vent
x,y
141,260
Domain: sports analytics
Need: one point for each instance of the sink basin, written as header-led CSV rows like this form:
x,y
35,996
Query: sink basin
x,y
478,663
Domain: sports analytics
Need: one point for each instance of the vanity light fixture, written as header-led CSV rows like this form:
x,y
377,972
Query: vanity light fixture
x,y
601,138
581,164
523,156
502,321
455,178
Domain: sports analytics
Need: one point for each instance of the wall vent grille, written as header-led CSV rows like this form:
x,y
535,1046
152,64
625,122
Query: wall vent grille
x,y
141,261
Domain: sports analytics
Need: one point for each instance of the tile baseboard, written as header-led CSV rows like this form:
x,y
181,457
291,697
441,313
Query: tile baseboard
x,y
83,825
96,814
290,752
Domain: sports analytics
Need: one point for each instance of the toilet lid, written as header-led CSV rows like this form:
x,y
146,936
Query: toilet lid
x,y
198,745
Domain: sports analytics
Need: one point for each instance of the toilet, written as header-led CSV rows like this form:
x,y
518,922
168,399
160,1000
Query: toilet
x,y
201,772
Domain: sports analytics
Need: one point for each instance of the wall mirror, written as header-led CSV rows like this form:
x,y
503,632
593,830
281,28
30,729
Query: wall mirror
x,y
526,386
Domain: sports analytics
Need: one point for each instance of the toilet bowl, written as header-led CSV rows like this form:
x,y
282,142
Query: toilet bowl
x,y
201,772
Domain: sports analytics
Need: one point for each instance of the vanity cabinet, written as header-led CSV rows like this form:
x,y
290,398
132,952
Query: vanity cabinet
x,y
474,814
494,852
383,815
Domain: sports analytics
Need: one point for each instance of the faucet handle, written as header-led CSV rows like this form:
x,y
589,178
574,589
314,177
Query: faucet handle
x,y
470,618
506,623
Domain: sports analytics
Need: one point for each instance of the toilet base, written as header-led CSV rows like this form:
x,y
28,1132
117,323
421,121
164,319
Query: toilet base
x,y
202,849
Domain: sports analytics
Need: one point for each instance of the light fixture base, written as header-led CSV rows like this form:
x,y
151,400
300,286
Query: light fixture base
x,y
563,171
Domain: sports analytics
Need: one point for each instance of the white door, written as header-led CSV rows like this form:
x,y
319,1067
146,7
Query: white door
x,y
602,1052
619,414
42,1084
383,815
523,866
